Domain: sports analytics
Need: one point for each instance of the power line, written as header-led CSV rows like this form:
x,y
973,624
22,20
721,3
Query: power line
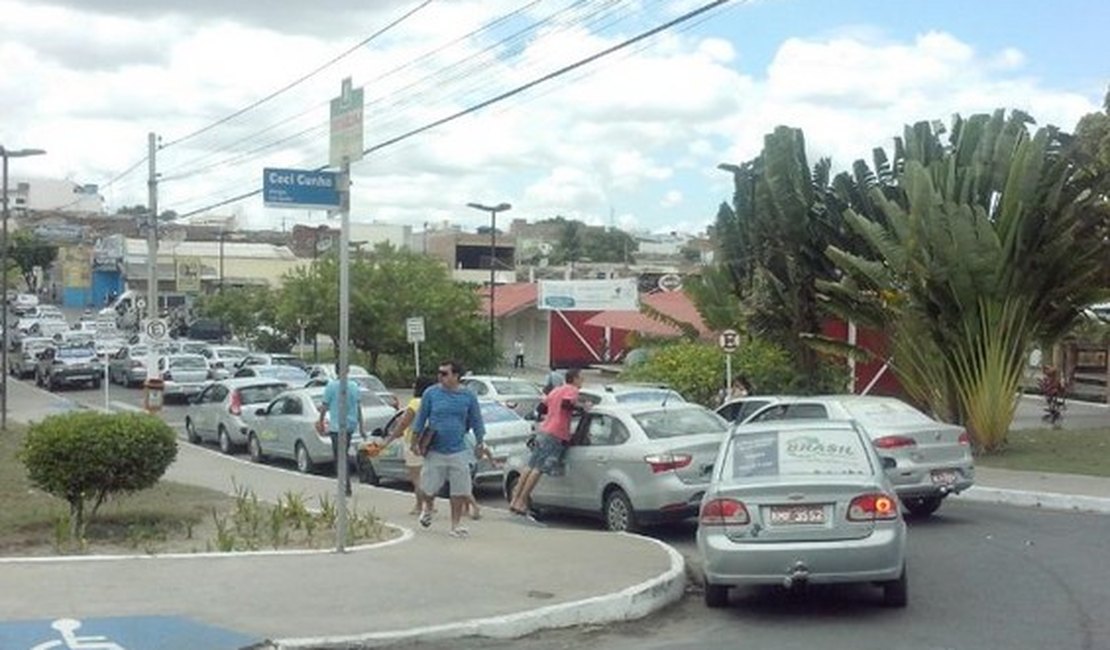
x,y
303,78
502,96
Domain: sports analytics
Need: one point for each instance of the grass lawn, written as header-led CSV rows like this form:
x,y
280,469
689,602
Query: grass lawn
x,y
1084,451
167,518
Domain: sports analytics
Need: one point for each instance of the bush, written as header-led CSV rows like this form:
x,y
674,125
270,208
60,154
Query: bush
x,y
697,370
87,456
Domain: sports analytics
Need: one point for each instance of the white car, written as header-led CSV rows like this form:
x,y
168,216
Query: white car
x,y
183,374
520,395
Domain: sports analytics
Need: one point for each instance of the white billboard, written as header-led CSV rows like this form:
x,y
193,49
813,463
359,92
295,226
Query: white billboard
x,y
589,295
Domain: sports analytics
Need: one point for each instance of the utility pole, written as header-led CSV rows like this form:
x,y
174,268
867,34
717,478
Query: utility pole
x,y
152,249
492,210
341,467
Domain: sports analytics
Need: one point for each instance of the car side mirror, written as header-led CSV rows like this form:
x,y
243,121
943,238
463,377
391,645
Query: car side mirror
x,y
261,411
378,433
888,462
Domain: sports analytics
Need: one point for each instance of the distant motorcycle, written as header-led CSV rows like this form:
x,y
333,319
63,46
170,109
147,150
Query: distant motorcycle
x,y
1054,391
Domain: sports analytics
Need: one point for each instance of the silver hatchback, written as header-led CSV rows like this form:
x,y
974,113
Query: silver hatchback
x,y
794,503
217,412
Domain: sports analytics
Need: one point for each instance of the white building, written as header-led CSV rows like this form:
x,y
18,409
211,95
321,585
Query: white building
x,y
51,195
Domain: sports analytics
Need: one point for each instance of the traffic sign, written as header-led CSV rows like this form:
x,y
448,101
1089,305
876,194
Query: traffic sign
x,y
156,329
414,327
346,126
300,188
670,282
729,340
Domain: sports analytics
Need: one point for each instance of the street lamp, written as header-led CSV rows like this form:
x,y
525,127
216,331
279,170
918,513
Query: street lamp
x,y
492,210
5,154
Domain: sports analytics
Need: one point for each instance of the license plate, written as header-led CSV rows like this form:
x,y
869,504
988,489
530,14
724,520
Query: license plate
x,y
945,476
797,514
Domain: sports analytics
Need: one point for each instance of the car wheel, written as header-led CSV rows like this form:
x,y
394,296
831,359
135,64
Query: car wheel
x,y
191,432
96,384
922,506
225,440
366,473
254,448
716,595
619,516
896,592
304,463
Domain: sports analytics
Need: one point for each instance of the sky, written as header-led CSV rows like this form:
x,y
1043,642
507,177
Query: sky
x,y
633,139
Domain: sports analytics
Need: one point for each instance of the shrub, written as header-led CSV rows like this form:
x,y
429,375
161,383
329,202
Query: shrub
x,y
86,456
697,370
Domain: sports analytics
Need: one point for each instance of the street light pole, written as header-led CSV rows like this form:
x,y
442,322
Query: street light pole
x,y
5,154
492,210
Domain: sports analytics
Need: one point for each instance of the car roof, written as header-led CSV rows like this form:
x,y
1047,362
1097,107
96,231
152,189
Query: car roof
x,y
635,408
626,387
794,425
244,382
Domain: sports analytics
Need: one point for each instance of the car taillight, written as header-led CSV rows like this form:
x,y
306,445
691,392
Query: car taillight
x,y
894,442
168,376
236,406
666,462
869,507
723,512
965,438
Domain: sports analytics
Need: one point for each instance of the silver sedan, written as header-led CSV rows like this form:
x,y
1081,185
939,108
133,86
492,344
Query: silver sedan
x,y
217,412
794,503
930,459
632,465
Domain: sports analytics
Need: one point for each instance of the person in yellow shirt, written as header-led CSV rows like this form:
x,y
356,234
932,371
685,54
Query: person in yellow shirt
x,y
403,429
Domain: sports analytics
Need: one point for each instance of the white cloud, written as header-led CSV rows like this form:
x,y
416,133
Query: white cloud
x,y
671,199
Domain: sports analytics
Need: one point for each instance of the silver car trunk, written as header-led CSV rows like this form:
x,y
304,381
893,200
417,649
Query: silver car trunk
x,y
188,372
796,498
937,444
702,447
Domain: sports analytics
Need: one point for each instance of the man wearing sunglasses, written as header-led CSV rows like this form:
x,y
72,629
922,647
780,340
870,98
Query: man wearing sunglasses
x,y
447,412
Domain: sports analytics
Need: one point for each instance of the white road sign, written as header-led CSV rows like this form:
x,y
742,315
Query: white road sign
x,y
157,329
729,340
415,329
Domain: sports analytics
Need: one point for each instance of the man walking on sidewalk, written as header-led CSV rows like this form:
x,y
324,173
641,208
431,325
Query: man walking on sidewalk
x,y
518,353
551,440
330,407
447,412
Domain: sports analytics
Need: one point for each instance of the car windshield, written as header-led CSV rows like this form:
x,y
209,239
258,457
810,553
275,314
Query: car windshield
x,y
231,353
505,387
797,453
369,382
72,351
496,412
188,363
672,423
285,373
648,396
885,412
260,394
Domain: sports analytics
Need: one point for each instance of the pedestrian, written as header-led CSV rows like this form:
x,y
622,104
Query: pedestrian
x,y
554,379
447,411
329,419
552,440
518,349
413,460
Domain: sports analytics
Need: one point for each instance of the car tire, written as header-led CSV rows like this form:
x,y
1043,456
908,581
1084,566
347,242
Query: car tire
x,y
896,592
304,461
254,449
618,513
96,384
922,506
224,440
366,473
191,431
716,596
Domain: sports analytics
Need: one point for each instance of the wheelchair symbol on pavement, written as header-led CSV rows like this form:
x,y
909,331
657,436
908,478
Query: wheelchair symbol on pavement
x,y
67,627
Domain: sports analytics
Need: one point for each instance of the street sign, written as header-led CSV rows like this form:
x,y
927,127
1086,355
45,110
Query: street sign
x,y
729,340
670,282
188,274
300,188
346,126
156,329
415,329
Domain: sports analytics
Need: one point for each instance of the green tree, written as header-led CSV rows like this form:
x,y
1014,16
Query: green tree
x,y
975,248
243,309
85,457
30,251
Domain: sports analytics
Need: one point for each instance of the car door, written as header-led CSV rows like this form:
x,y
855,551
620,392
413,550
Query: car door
x,y
268,428
555,490
213,407
200,412
596,461
390,463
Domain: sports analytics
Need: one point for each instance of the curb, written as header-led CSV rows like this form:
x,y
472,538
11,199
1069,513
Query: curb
x,y
1047,500
631,603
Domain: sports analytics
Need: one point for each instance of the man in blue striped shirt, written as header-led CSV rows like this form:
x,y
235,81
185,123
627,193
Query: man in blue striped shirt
x,y
449,410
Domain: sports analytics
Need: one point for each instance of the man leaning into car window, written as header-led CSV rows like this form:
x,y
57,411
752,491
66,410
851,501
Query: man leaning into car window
x,y
551,440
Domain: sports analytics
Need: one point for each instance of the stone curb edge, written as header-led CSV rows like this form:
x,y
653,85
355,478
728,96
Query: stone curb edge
x,y
631,603
1028,498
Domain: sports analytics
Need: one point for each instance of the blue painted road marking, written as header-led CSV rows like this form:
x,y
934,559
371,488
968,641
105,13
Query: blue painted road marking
x,y
119,633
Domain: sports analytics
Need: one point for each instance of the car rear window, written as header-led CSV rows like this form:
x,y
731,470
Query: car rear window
x,y
76,351
188,363
672,423
497,412
798,453
514,388
369,382
260,394
287,373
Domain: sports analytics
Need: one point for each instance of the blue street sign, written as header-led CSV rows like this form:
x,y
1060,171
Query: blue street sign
x,y
299,188
119,633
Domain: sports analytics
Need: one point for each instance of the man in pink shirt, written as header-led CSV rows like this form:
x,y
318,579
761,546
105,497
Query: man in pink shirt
x,y
551,439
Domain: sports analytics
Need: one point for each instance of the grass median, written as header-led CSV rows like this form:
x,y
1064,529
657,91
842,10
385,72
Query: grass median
x,y
167,518
1082,451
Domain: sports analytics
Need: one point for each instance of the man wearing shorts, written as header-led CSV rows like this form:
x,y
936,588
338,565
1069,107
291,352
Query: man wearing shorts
x,y
449,411
551,440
